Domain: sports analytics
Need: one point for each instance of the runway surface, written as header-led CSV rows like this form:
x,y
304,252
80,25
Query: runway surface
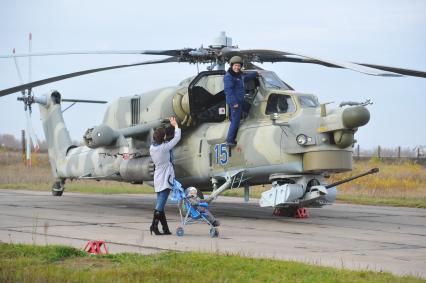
x,y
342,235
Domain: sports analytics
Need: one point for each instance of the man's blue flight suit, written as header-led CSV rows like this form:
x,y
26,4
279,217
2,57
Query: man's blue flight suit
x,y
234,92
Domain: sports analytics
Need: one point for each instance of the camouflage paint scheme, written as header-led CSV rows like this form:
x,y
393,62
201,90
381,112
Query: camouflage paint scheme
x,y
266,147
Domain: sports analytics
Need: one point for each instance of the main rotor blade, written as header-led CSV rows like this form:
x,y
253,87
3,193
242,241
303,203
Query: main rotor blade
x,y
171,52
208,55
402,71
264,55
252,66
80,73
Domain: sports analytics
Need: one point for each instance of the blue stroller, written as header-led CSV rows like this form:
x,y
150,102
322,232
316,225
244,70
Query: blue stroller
x,y
188,214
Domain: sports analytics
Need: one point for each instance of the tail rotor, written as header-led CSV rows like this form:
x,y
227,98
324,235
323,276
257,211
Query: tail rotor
x,y
30,135
28,99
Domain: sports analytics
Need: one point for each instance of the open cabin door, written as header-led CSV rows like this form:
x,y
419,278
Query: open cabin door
x,y
207,97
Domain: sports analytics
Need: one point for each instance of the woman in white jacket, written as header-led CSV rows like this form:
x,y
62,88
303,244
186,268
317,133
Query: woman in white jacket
x,y
164,174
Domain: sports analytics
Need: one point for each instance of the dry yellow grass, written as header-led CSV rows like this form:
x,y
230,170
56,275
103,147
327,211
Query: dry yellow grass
x,y
13,169
402,184
14,174
399,180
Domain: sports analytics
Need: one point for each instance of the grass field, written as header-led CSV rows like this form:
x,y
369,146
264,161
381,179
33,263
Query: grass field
x,y
397,184
28,263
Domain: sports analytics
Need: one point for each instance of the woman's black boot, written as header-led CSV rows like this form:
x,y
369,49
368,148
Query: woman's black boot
x,y
154,225
163,221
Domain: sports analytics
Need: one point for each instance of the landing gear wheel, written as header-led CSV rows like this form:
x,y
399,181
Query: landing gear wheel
x,y
57,193
285,211
214,232
179,231
58,188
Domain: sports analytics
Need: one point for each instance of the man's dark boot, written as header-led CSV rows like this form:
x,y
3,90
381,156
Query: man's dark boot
x,y
163,221
154,225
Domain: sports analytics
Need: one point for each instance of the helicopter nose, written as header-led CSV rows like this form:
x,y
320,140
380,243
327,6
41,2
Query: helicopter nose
x,y
355,117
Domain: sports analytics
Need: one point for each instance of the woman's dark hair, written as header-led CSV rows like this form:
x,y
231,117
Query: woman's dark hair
x,y
158,135
170,133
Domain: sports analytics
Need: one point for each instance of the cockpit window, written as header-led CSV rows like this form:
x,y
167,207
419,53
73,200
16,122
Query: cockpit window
x,y
271,80
308,102
213,84
279,103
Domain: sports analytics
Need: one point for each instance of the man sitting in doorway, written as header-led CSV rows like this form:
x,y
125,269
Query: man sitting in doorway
x,y
234,91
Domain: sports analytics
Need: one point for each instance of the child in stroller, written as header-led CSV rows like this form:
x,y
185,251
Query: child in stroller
x,y
196,209
200,206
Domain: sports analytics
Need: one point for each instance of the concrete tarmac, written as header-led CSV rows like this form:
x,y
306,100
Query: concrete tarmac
x,y
350,236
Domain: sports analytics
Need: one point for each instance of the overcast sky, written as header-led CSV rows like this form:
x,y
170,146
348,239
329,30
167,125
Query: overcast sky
x,y
379,32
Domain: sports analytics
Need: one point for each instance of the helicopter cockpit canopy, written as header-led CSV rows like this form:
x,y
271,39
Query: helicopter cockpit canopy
x,y
208,103
271,80
283,103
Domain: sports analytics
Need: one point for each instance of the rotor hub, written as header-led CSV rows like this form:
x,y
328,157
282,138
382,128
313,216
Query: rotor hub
x,y
221,41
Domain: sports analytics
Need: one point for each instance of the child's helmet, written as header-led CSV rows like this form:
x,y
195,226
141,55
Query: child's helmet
x,y
192,190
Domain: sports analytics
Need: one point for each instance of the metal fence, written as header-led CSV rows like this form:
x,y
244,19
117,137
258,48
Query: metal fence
x,y
417,154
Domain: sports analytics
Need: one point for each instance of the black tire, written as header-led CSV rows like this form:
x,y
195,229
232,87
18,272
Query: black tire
x,y
214,232
285,211
291,211
57,193
57,189
180,232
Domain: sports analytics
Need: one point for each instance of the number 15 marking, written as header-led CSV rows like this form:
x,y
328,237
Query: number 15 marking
x,y
221,154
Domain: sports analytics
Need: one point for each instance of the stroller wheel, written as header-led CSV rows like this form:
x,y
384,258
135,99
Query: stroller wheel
x,y
179,231
214,232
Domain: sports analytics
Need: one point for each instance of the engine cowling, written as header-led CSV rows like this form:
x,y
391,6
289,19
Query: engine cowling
x,y
137,170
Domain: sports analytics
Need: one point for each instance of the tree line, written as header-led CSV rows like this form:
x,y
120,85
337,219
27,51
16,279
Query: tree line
x,y
11,142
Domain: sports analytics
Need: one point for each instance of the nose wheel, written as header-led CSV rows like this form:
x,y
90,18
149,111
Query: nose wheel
x,y
297,212
58,188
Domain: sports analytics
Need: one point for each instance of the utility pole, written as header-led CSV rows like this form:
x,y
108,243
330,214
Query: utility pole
x,y
23,143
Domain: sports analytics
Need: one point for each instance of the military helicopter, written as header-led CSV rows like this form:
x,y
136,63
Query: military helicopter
x,y
287,139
